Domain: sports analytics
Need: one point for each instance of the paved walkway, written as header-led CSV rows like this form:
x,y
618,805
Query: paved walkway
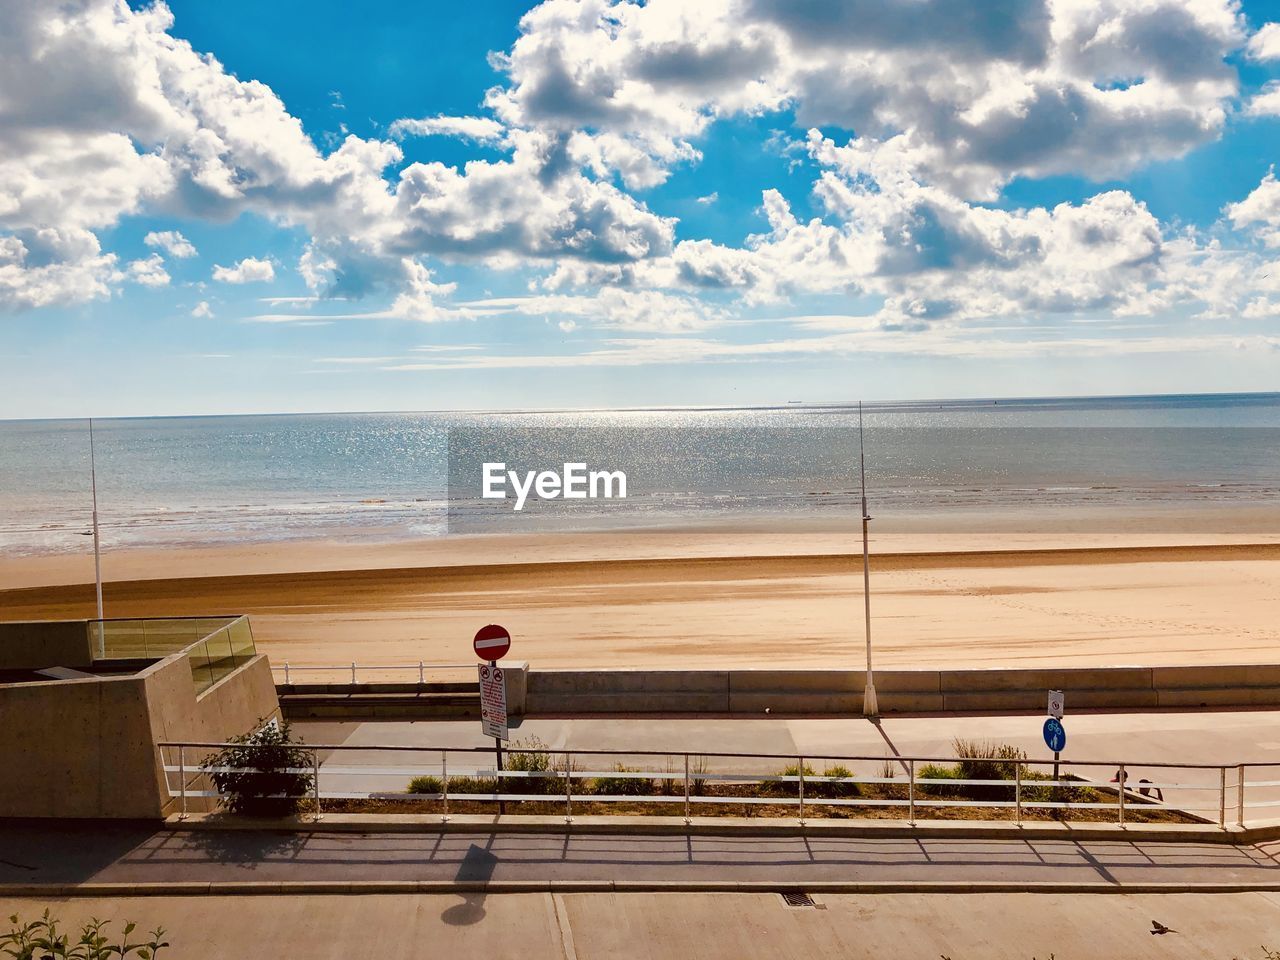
x,y
121,854
691,926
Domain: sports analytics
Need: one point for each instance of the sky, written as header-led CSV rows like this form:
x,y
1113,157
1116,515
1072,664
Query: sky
x,y
245,207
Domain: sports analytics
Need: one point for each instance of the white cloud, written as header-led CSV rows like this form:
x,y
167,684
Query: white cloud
x,y
477,129
1013,87
710,198
1266,102
1260,211
202,310
248,270
50,267
119,117
648,311
1265,44
171,242
149,272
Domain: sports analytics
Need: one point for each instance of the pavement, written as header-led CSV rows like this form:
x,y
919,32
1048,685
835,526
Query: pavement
x,y
36,854
693,926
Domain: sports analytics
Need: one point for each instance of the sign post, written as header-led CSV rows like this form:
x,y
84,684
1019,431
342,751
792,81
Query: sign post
x,y
1056,709
491,644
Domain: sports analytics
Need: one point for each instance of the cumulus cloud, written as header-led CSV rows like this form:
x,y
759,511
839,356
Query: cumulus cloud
x,y
1265,44
601,100
1013,88
1260,211
248,270
149,272
202,310
171,242
1266,102
119,117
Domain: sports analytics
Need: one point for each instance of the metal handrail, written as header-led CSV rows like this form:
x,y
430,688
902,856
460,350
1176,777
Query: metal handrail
x,y
1128,797
896,759
421,668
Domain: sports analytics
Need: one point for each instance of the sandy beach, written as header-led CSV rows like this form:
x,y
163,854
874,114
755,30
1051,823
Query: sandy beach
x,y
678,600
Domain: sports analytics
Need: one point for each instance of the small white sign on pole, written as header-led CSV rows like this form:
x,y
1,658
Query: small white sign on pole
x,y
1057,704
493,701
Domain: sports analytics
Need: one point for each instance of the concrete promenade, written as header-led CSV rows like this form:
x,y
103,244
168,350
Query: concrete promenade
x,y
98,854
685,926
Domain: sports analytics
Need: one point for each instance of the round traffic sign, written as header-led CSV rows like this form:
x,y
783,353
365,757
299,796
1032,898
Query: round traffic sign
x,y
1055,735
491,642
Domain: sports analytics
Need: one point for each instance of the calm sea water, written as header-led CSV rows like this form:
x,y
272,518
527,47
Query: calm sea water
x,y
379,476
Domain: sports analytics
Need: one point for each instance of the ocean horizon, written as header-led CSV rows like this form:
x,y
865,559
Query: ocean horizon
x,y
181,481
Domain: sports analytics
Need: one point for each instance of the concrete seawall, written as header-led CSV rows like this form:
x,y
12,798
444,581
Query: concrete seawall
x,y
806,692
898,691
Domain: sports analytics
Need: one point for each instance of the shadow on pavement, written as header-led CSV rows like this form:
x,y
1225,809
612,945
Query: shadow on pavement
x,y
66,851
477,866
246,848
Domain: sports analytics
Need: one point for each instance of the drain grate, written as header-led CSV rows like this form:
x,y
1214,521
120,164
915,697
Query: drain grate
x,y
798,898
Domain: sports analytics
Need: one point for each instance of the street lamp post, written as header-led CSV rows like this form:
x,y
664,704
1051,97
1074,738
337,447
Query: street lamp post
x,y
870,708
97,550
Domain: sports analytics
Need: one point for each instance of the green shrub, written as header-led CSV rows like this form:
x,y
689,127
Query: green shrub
x,y
426,785
472,785
986,760
784,789
835,790
623,786
41,940
264,773
933,771
518,758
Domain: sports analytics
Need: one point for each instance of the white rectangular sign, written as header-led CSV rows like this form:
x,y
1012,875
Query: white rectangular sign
x,y
493,701
1057,704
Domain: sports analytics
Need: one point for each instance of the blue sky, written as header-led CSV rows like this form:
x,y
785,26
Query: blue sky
x,y
246,207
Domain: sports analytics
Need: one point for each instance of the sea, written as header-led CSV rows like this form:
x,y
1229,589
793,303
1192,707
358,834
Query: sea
x,y
946,464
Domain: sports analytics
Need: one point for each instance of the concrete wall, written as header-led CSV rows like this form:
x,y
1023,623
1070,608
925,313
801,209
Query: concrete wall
x,y
86,748
41,644
560,692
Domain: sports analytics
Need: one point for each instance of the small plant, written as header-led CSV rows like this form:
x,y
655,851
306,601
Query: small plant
x,y
792,788
482,785
265,773
698,767
986,760
934,771
426,785
518,758
41,940
623,786
836,790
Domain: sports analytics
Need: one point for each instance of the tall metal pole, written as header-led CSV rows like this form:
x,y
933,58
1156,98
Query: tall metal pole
x,y
97,547
870,708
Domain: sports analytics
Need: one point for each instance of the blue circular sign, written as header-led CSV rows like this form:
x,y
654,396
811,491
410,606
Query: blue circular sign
x,y
1055,735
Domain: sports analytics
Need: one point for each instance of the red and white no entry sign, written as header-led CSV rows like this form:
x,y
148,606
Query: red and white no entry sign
x,y
492,642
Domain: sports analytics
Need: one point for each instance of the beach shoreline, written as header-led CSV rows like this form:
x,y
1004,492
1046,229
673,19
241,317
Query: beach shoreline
x,y
683,600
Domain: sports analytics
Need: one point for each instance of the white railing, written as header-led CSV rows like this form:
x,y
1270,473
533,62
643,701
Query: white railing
x,y
1089,790
414,671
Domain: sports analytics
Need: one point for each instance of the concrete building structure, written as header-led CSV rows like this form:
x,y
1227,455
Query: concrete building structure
x,y
84,704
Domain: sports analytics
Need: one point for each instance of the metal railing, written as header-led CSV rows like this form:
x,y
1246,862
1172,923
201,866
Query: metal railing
x,y
913,787
416,672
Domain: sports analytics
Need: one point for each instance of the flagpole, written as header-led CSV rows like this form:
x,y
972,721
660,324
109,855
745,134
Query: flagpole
x,y
97,548
870,708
